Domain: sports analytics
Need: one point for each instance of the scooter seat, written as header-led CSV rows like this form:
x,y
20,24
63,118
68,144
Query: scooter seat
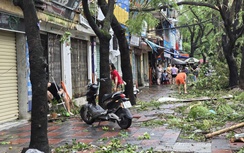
x,y
97,110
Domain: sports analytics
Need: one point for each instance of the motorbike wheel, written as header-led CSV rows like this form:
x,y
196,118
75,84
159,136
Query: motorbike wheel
x,y
125,122
86,116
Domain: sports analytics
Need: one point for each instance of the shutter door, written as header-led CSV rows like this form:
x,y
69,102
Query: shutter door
x,y
54,58
79,67
8,78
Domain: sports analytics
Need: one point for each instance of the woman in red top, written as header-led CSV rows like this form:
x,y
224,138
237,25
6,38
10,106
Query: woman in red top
x,y
118,82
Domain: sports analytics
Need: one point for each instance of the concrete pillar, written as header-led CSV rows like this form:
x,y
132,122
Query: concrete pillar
x,y
66,67
22,76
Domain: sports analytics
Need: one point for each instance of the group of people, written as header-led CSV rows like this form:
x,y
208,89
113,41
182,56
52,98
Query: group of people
x,y
174,75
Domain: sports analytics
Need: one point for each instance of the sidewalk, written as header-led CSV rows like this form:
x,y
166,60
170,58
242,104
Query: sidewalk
x,y
161,139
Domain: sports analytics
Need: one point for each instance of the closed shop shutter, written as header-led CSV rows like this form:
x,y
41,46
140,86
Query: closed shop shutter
x,y
54,58
79,67
8,78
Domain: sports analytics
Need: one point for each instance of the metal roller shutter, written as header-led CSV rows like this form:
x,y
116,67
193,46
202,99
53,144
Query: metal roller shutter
x,y
8,78
54,58
79,67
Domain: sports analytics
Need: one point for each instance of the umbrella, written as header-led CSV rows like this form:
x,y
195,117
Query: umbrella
x,y
191,60
177,61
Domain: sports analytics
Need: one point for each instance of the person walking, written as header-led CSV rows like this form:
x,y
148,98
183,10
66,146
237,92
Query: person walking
x,y
159,73
174,72
168,70
180,79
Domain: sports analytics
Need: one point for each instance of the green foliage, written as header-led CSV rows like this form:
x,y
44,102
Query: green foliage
x,y
123,134
136,22
241,150
4,142
115,146
146,105
65,38
199,112
145,136
214,78
224,109
153,123
75,146
240,97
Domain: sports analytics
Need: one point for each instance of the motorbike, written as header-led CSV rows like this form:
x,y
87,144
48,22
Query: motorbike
x,y
115,107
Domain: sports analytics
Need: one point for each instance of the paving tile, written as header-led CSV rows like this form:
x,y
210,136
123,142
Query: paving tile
x,y
53,134
86,141
52,128
25,134
164,147
221,151
54,141
81,134
150,143
144,119
192,147
170,136
220,143
109,134
236,145
20,141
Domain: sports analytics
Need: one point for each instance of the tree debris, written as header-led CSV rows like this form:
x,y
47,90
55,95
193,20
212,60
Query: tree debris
x,y
224,130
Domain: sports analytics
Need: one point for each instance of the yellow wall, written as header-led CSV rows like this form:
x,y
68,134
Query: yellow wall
x,y
8,7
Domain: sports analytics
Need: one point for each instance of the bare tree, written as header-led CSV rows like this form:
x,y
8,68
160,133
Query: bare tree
x,y
39,139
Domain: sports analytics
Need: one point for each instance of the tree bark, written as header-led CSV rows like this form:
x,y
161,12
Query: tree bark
x,y
104,38
39,139
241,83
125,53
233,70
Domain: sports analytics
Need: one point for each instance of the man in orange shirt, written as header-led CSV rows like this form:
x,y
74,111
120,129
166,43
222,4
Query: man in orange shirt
x,y
181,80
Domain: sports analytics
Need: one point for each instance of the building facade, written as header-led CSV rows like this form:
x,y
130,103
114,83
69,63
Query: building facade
x,y
69,61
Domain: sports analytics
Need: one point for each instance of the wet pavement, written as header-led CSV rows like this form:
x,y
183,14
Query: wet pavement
x,y
162,139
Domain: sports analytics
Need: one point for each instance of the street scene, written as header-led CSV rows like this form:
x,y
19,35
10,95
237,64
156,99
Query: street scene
x,y
121,76
160,138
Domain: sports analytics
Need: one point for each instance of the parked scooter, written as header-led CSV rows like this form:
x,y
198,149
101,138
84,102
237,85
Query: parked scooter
x,y
115,107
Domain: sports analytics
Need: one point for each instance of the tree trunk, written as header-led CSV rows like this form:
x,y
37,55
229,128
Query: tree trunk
x,y
125,53
241,83
125,62
104,38
39,139
233,70
105,86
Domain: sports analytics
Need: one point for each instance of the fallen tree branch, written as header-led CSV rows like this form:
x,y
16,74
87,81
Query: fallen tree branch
x,y
224,130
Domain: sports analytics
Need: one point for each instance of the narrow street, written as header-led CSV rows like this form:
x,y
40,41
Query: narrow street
x,y
162,139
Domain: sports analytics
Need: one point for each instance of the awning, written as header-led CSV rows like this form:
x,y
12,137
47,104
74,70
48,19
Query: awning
x,y
177,61
154,47
191,60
